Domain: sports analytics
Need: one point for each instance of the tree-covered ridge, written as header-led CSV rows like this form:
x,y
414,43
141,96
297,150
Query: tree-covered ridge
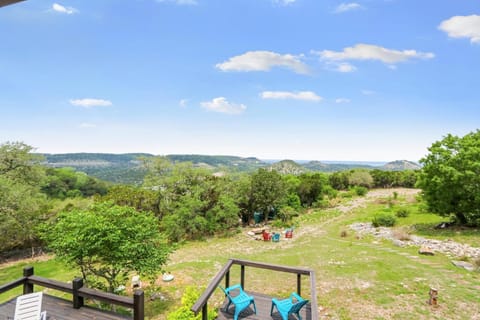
x,y
128,168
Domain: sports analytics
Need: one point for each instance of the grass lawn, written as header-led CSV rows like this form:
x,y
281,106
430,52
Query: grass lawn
x,y
357,277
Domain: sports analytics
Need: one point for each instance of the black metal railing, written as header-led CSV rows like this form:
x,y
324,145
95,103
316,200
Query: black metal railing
x,y
202,302
78,292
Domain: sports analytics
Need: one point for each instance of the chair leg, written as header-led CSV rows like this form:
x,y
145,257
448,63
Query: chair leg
x,y
271,310
254,307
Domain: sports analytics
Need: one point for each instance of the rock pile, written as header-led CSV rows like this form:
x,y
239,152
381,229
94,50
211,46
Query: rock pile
x,y
448,247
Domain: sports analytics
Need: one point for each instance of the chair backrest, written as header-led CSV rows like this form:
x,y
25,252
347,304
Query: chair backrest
x,y
297,306
29,306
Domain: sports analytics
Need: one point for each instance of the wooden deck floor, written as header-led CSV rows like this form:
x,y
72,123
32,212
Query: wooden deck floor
x,y
263,304
60,309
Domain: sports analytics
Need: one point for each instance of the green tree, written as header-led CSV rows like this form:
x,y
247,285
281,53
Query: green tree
x,y
21,211
361,178
311,187
268,191
192,202
21,203
142,199
339,180
107,242
450,177
20,165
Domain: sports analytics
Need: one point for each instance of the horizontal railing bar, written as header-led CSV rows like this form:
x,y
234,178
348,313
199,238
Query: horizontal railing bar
x,y
211,287
106,297
262,265
49,283
11,285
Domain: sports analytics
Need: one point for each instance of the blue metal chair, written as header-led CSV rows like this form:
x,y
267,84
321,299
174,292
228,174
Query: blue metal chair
x,y
292,305
241,301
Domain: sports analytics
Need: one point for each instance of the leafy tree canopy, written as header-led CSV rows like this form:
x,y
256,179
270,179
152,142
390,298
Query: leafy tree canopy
x,y
19,164
450,178
107,242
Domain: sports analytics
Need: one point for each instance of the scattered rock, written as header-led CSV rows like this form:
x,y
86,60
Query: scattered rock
x,y
448,247
157,295
463,264
426,251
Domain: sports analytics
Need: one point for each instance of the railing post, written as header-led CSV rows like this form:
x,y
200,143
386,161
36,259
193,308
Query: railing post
x,y
242,276
299,284
227,279
138,305
205,312
27,287
77,283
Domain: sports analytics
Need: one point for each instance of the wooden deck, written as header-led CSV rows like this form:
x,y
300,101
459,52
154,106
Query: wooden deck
x,y
60,309
264,305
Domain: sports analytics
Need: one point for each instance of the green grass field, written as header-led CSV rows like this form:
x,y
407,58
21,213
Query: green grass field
x,y
357,277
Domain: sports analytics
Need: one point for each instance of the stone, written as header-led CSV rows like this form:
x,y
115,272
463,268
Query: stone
x,y
463,264
426,251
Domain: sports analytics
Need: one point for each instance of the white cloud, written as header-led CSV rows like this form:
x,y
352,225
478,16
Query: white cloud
x,y
342,100
183,103
222,105
87,125
284,2
181,2
263,61
344,7
462,27
302,95
368,92
363,51
90,103
346,67
67,10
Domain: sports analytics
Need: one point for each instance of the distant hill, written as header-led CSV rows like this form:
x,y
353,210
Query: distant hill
x,y
127,168
118,168
400,165
227,163
333,167
288,167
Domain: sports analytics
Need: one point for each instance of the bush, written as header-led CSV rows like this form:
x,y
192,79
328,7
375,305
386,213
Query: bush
x,y
189,298
384,220
402,213
360,191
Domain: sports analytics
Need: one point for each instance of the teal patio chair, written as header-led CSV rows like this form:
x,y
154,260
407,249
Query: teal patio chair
x,y
276,237
292,305
241,301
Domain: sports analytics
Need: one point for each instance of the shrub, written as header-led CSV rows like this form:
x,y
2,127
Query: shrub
x,y
189,298
359,190
402,213
383,220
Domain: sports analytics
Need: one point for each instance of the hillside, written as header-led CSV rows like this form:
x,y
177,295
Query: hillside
x,y
288,167
400,165
333,167
127,168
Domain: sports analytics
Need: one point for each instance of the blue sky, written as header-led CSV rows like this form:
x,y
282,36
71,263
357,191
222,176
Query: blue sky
x,y
372,80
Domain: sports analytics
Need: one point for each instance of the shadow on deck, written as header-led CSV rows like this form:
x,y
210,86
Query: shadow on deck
x,y
264,305
61,309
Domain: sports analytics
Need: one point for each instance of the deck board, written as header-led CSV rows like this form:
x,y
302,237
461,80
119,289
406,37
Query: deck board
x,y
263,304
61,309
